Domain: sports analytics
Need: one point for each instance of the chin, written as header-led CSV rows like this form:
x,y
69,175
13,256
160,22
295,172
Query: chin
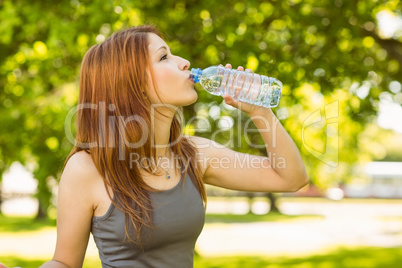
x,y
187,99
195,98
187,103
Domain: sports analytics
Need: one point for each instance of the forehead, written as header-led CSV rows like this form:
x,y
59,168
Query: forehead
x,y
155,42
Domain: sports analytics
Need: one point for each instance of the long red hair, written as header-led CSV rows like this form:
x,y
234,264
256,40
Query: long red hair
x,y
116,116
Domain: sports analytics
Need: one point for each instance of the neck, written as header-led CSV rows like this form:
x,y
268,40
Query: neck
x,y
161,127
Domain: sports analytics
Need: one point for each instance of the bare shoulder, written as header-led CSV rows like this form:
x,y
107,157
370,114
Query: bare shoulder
x,y
80,172
81,162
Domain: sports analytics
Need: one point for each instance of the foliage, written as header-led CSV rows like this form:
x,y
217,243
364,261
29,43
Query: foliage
x,y
323,51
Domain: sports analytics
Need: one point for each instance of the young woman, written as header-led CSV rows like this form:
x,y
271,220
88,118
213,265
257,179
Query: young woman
x,y
133,179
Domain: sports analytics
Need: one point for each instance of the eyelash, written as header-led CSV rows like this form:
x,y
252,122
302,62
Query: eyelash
x,y
164,57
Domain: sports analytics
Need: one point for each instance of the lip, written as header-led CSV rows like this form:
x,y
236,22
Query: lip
x,y
191,80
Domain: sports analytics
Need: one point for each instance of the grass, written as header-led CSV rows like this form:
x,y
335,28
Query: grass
x,y
367,257
12,261
320,200
361,257
24,224
271,217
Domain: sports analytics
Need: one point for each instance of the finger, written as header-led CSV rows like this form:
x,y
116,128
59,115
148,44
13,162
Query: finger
x,y
240,68
228,65
229,100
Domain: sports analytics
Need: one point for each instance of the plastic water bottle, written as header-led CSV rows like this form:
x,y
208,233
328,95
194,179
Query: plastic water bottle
x,y
244,86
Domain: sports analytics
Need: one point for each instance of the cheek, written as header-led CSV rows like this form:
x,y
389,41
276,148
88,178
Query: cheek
x,y
165,81
165,85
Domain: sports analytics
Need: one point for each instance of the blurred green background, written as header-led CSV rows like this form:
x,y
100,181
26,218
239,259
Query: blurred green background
x,y
339,61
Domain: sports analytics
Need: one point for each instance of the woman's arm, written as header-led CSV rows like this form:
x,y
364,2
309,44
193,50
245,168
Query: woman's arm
x,y
74,213
229,169
54,264
282,171
282,152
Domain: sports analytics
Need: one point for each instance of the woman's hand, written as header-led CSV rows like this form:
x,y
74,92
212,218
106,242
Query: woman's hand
x,y
243,106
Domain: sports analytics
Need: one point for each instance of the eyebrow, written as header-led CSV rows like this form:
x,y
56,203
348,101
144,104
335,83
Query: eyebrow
x,y
162,48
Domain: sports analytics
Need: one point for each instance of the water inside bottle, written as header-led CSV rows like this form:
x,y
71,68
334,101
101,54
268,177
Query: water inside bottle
x,y
211,83
276,93
251,88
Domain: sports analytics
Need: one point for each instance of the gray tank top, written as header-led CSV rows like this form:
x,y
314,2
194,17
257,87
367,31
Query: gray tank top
x,y
178,219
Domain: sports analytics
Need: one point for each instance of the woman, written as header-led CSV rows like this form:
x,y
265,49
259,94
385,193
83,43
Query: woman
x,y
132,179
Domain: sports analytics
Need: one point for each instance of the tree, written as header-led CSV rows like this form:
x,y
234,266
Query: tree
x,y
326,52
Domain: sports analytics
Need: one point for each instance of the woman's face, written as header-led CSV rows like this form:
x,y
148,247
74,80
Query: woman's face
x,y
171,75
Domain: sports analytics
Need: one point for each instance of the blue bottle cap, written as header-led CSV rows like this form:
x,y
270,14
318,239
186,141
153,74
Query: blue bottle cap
x,y
195,74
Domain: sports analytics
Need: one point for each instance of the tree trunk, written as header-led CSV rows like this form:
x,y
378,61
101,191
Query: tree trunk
x,y
1,193
250,202
272,201
43,195
41,214
1,199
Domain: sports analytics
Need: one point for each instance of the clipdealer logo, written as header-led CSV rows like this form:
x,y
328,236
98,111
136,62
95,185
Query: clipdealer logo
x,y
329,117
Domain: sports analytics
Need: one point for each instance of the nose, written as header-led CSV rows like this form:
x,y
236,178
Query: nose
x,y
183,64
